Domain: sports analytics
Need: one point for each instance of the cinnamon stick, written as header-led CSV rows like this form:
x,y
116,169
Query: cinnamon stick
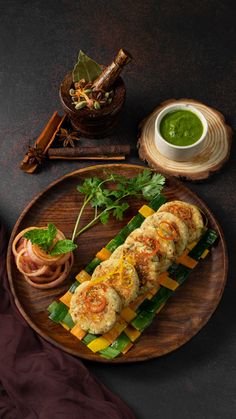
x,y
112,71
88,158
44,141
92,151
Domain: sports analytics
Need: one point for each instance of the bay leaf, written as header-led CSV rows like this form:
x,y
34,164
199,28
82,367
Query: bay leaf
x,y
85,68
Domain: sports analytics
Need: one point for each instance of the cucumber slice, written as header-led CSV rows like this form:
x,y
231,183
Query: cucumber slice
x,y
179,272
89,338
205,242
92,265
59,313
109,353
151,306
52,307
68,320
146,305
143,320
114,243
135,223
124,232
156,202
121,342
74,286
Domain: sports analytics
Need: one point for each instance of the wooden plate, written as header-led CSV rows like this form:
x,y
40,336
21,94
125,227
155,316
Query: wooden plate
x,y
183,316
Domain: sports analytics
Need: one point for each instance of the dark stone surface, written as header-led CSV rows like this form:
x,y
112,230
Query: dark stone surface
x,y
179,49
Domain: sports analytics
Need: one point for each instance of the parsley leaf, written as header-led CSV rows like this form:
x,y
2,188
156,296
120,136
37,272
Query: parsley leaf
x,y
107,196
118,210
154,186
104,217
89,185
101,198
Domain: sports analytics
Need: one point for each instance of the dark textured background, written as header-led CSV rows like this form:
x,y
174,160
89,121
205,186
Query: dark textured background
x,y
180,49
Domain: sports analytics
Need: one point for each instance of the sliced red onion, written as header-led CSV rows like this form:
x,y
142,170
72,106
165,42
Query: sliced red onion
x,y
57,281
41,270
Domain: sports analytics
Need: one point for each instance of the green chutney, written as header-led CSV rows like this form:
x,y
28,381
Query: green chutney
x,y
181,128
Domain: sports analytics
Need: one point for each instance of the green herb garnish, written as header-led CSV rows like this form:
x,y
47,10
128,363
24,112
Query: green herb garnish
x,y
44,238
112,201
63,246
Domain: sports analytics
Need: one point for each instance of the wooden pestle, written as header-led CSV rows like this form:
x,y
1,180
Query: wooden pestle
x,y
112,71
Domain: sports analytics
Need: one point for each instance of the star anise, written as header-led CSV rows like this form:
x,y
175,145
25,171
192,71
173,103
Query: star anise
x,y
67,137
35,155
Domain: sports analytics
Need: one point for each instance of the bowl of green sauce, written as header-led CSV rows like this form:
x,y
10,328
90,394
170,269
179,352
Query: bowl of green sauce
x,y
180,131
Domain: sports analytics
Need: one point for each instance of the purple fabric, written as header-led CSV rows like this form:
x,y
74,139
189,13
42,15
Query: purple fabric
x,y
38,380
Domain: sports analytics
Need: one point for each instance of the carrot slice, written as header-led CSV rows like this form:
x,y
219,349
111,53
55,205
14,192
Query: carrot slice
x,y
94,299
166,231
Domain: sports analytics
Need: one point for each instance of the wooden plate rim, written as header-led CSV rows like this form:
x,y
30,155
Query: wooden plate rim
x,y
121,359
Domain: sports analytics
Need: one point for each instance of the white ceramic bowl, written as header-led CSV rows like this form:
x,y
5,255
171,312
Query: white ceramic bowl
x,y
175,152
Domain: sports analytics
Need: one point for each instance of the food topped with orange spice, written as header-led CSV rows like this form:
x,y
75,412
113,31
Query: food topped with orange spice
x,y
170,228
187,213
151,254
135,266
95,306
121,275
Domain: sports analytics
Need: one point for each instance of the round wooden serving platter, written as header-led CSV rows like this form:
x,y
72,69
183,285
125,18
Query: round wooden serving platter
x,y
212,157
184,314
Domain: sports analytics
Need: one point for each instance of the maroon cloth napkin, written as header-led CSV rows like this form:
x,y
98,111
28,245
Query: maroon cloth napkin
x,y
37,380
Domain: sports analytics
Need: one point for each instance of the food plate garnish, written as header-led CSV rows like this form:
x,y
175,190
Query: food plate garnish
x,y
106,308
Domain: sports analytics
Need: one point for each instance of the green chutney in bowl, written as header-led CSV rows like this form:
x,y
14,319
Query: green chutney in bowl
x,y
181,127
180,131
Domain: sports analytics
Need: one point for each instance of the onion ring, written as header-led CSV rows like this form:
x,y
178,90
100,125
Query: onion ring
x,y
51,270
47,278
57,281
41,270
21,245
19,236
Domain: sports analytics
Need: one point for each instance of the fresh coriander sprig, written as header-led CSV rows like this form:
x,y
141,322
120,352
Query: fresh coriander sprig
x,y
44,238
93,191
112,201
